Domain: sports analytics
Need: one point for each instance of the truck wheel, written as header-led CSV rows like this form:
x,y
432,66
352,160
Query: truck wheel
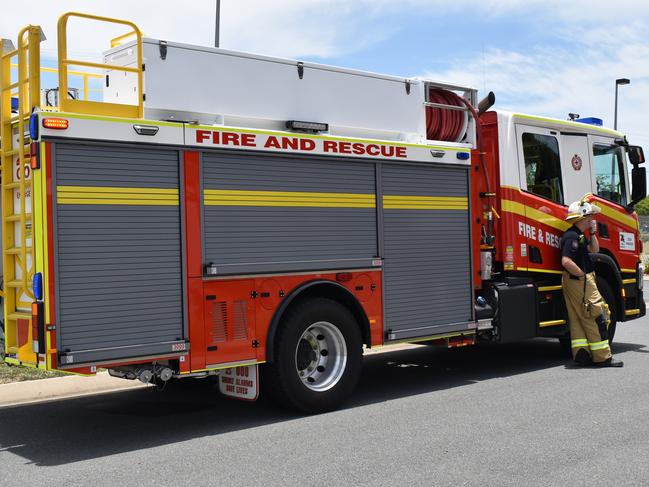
x,y
607,293
318,357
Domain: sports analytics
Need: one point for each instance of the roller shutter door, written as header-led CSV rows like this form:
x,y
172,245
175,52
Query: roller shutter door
x,y
427,268
117,253
272,214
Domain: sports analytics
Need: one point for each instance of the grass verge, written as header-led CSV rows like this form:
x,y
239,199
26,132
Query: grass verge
x,y
18,374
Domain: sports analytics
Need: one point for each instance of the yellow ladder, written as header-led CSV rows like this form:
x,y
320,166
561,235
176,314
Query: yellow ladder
x,y
17,188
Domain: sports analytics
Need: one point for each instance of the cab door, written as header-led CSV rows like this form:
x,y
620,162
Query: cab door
x,y
576,166
542,197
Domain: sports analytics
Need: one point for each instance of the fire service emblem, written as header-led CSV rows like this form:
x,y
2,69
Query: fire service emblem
x,y
576,162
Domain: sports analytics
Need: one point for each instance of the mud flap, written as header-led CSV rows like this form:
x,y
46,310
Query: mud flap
x,y
240,382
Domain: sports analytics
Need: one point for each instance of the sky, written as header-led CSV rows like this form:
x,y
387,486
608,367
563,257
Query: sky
x,y
545,57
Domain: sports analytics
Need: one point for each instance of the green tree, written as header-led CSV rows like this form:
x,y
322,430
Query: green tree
x,y
643,207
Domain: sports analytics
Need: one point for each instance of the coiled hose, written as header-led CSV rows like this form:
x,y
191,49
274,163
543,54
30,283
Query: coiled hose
x,y
445,123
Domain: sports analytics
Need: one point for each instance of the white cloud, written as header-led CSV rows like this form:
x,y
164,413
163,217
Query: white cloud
x,y
578,77
287,28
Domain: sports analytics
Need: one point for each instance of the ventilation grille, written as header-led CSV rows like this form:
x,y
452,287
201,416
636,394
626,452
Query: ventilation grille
x,y
240,320
219,321
229,324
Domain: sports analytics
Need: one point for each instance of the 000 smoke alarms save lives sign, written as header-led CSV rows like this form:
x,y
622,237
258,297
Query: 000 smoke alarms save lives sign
x,y
240,382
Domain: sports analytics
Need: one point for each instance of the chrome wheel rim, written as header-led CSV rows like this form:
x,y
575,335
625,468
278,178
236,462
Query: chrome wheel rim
x,y
321,356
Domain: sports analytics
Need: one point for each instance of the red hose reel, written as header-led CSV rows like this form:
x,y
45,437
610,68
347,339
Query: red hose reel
x,y
442,123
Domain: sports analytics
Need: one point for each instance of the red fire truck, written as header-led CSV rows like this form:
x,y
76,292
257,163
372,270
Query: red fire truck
x,y
227,214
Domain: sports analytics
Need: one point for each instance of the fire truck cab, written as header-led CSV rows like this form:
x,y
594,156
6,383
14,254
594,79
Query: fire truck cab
x,y
540,165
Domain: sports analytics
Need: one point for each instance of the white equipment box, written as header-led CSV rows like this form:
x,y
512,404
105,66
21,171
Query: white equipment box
x,y
215,86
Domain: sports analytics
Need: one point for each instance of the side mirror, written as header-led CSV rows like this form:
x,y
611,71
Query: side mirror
x,y
638,183
636,155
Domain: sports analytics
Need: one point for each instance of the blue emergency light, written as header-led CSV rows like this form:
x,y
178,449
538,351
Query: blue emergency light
x,y
37,286
33,126
463,156
591,121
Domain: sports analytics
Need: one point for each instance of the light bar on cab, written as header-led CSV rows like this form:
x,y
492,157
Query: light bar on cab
x,y
307,126
55,123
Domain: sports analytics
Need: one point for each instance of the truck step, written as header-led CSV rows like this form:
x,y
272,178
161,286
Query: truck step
x,y
19,316
16,250
15,284
16,218
13,185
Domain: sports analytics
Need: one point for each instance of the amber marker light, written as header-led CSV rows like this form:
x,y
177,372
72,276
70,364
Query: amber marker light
x,y
55,123
34,161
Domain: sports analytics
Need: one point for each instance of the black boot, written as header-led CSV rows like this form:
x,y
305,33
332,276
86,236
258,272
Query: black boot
x,y
612,362
583,359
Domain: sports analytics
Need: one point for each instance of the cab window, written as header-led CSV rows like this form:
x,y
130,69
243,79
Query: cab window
x,y
609,173
543,166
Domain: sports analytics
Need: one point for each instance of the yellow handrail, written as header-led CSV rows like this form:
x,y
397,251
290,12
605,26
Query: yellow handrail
x,y
93,107
84,75
18,257
117,41
28,74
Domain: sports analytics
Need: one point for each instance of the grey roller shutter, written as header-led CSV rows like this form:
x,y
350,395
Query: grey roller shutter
x,y
118,265
427,268
278,214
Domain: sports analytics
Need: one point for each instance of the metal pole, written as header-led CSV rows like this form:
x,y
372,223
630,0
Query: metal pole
x,y
615,116
618,82
217,26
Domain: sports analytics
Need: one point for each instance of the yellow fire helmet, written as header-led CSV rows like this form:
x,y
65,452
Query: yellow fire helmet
x,y
581,209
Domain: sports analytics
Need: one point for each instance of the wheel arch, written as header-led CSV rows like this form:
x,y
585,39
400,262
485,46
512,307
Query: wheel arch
x,y
607,268
322,289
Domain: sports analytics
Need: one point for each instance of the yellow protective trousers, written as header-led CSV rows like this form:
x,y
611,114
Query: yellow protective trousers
x,y
585,307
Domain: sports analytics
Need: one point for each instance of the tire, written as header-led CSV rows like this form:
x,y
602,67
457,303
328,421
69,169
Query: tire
x,y
318,357
607,293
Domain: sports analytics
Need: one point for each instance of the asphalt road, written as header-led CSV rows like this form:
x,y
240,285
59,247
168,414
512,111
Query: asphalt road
x,y
486,415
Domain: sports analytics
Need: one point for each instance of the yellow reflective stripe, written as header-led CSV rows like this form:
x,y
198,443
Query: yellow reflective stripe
x,y
543,271
598,345
509,206
579,342
576,125
523,210
229,197
99,195
395,202
618,216
389,143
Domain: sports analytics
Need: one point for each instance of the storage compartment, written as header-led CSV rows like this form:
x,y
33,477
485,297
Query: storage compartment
x,y
517,317
117,253
264,213
427,268
245,90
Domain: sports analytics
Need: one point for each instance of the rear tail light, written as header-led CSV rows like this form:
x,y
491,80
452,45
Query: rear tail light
x,y
34,160
55,123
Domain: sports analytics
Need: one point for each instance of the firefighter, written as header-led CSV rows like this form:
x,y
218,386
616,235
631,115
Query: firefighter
x,y
587,311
